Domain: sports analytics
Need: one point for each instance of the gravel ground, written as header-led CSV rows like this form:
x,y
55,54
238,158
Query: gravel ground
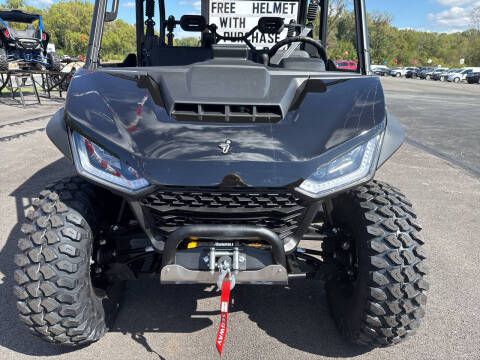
x,y
179,322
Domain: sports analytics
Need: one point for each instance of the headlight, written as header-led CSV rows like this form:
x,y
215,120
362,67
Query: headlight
x,y
354,167
94,162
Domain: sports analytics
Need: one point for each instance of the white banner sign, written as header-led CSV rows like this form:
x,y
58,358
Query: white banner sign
x,y
236,17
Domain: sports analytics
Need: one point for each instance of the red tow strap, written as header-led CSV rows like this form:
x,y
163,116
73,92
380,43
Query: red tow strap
x,y
222,327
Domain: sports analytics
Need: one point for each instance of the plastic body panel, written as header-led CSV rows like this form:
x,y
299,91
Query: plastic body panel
x,y
392,140
58,134
127,112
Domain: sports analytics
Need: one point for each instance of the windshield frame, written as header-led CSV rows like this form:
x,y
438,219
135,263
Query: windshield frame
x,y
101,15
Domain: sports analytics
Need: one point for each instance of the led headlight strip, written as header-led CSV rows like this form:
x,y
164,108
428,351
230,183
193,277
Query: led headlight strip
x,y
94,162
349,169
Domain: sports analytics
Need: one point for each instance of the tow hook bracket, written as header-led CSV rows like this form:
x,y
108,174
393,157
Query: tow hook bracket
x,y
224,264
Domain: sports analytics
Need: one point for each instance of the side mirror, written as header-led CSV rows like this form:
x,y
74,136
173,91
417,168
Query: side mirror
x,y
112,14
193,23
270,25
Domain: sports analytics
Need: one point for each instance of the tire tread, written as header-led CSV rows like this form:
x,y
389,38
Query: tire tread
x,y
55,298
396,299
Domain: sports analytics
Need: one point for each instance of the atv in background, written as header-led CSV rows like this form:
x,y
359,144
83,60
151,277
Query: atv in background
x,y
23,40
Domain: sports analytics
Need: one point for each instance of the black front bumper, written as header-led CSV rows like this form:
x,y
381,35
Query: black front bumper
x,y
276,217
174,273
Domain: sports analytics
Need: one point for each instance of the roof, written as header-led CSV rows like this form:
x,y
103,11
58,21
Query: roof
x,y
18,16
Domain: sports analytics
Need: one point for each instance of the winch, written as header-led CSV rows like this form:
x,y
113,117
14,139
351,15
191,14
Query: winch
x,y
174,261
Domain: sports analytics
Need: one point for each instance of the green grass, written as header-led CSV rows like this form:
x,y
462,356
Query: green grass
x,y
26,91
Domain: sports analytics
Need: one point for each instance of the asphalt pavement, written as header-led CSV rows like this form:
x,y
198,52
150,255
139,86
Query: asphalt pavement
x,y
439,117
179,322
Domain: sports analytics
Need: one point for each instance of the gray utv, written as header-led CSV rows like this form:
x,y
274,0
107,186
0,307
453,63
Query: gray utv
x,y
224,157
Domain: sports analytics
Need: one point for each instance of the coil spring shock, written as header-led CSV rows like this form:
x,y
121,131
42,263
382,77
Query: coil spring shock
x,y
150,9
312,12
150,13
291,30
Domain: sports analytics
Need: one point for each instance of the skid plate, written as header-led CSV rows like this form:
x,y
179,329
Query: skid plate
x,y
269,275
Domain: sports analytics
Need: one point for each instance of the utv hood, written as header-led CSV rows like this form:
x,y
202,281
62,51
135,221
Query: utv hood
x,y
131,113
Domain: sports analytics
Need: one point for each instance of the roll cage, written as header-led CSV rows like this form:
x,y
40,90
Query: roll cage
x,y
145,28
19,17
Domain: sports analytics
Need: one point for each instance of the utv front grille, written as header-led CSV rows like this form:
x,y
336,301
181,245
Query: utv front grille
x,y
28,44
278,211
227,113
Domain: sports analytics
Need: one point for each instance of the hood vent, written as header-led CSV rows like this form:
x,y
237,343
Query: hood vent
x,y
222,113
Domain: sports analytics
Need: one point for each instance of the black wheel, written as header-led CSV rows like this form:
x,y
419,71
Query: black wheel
x,y
378,297
54,63
38,66
3,60
57,297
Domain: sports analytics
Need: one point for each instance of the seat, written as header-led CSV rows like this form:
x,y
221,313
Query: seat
x,y
302,63
179,55
130,61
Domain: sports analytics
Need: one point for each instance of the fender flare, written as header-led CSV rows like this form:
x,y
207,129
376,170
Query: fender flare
x,y
58,134
392,140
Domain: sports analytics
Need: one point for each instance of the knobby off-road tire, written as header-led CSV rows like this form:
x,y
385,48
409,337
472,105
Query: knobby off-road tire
x,y
3,60
56,299
386,300
54,63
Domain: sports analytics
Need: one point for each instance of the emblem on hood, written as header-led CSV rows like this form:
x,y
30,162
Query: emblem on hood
x,y
225,146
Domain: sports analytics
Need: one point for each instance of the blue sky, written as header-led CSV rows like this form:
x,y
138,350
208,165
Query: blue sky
x,y
428,15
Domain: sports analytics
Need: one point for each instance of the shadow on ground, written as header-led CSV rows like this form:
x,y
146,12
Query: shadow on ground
x,y
296,316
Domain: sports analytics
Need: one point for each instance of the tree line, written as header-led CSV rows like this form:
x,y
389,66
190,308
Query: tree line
x,y
402,47
68,23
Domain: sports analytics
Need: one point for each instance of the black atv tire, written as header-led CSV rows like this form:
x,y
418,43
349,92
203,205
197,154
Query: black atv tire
x,y
54,63
56,299
385,301
3,60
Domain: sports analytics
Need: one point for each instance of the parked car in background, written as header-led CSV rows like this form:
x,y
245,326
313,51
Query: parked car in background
x,y
425,72
430,74
439,74
473,77
413,73
462,75
380,70
445,75
348,65
399,72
